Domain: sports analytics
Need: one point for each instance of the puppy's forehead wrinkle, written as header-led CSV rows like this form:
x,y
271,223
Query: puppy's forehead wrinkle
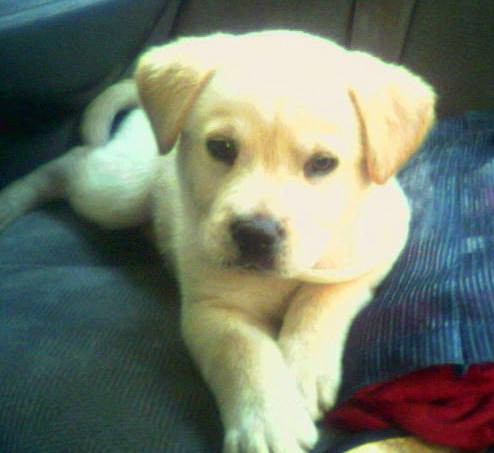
x,y
277,129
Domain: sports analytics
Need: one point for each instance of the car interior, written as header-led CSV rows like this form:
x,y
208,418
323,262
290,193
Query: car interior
x,y
91,352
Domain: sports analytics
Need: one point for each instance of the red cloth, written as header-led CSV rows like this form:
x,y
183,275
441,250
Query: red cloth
x,y
436,404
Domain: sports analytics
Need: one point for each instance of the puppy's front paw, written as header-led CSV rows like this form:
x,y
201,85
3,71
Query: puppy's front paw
x,y
316,374
273,426
285,433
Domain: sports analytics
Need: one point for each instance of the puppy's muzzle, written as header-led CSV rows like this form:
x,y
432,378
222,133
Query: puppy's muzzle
x,y
258,239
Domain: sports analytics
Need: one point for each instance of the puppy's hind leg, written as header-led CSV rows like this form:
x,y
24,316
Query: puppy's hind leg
x,y
108,179
111,185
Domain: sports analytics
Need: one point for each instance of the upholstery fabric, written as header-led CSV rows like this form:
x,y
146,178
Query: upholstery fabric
x,y
92,359
59,51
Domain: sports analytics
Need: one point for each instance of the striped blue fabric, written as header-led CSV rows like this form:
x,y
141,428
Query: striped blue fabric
x,y
437,304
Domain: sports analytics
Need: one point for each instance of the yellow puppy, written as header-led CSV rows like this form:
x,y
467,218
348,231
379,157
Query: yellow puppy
x,y
274,195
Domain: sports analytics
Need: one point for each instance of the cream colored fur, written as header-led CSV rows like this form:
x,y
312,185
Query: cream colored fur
x,y
269,344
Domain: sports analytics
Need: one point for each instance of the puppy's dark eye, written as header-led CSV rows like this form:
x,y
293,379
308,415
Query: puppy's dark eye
x,y
320,165
222,149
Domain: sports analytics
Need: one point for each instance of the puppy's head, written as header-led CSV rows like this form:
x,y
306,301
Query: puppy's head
x,y
280,135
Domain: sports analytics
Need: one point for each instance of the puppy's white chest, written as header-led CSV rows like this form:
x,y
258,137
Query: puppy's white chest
x,y
261,297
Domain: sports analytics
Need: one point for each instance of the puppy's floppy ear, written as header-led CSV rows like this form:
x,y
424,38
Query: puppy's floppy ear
x,y
395,109
171,77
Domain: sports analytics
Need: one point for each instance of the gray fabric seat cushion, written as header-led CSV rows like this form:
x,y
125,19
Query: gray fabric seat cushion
x,y
91,354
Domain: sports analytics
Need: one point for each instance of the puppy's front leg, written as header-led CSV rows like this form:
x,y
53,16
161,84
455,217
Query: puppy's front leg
x,y
261,408
313,336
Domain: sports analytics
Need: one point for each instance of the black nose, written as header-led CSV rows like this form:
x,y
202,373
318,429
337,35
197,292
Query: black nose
x,y
258,240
